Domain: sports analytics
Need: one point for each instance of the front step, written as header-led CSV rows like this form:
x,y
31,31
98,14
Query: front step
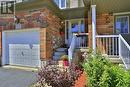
x,y
61,49
59,53
116,60
122,65
56,58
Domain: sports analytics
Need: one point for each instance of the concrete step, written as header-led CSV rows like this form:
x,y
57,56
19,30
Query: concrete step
x,y
122,65
61,49
59,53
83,49
116,60
56,58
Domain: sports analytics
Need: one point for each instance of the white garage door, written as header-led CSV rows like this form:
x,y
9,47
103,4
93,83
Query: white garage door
x,y
24,55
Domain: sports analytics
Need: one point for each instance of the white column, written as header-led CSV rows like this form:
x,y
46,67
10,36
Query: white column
x,y
94,27
60,3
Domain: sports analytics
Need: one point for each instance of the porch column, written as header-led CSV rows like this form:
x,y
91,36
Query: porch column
x,y
94,27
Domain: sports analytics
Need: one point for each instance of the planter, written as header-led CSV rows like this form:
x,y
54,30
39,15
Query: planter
x,y
65,63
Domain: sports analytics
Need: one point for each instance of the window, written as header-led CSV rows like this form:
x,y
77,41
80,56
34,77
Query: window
x,y
57,2
77,26
61,3
122,24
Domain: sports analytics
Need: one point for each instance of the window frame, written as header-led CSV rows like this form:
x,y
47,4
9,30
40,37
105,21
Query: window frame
x,y
60,5
121,16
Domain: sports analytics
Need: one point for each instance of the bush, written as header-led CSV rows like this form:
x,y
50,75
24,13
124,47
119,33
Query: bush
x,y
102,73
54,76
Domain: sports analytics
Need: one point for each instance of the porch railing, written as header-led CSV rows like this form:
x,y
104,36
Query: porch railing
x,y
124,52
78,41
72,48
108,44
81,40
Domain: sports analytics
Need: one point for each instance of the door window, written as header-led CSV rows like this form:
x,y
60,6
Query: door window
x,y
78,26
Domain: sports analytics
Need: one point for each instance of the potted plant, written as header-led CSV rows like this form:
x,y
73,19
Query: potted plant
x,y
64,58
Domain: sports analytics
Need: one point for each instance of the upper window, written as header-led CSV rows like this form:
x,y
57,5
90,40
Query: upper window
x,y
57,2
122,24
63,4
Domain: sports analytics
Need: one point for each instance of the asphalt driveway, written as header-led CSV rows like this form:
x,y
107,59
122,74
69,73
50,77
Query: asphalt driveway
x,y
16,77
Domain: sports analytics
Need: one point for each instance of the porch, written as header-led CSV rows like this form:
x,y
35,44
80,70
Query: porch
x,y
108,34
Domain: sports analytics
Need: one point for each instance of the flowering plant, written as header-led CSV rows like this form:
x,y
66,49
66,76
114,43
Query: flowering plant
x,y
64,58
52,75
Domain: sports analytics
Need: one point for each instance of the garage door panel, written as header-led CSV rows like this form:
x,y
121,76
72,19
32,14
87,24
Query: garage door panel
x,y
23,54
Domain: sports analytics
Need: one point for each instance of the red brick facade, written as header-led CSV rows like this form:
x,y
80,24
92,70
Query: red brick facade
x,y
49,24
105,26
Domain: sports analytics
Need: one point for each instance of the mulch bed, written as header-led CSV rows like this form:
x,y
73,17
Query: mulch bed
x,y
82,80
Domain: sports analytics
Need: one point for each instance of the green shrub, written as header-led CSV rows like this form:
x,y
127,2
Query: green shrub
x,y
102,73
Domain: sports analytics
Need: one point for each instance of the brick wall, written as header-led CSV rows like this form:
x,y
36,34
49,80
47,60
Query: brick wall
x,y
49,23
49,41
50,36
104,25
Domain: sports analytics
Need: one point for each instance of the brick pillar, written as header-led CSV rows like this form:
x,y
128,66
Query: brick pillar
x,y
43,44
46,46
89,31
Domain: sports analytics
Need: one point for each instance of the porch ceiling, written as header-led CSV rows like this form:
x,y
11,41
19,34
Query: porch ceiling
x,y
112,6
74,13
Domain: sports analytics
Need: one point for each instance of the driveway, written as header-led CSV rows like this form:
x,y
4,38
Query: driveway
x,y
16,78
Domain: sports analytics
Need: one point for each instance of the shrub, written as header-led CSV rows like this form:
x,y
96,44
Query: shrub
x,y
102,73
94,66
54,76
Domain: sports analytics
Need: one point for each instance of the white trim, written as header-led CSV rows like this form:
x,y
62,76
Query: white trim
x,y
127,45
122,17
75,19
98,36
61,4
121,13
93,7
65,32
82,34
120,50
21,30
69,26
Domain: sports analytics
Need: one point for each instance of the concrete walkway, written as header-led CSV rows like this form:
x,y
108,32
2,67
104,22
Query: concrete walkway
x,y
16,77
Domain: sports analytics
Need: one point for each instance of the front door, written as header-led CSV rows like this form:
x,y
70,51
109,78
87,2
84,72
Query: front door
x,y
74,27
122,25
